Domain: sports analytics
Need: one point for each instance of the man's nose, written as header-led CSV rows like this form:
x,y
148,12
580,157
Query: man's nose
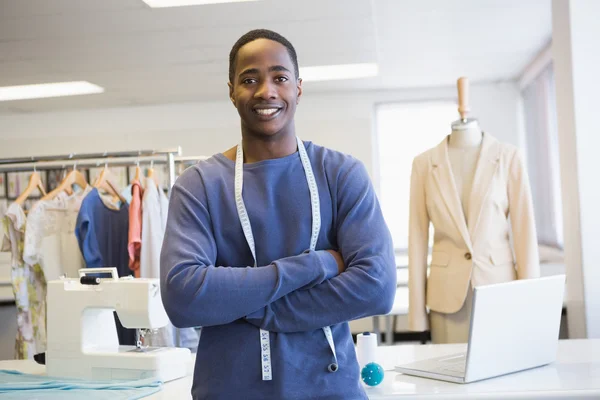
x,y
266,91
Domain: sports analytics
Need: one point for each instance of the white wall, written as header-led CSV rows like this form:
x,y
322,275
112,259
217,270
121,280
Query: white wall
x,y
576,64
343,121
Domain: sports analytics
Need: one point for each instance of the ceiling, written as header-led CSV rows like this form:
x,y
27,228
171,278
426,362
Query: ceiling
x,y
151,56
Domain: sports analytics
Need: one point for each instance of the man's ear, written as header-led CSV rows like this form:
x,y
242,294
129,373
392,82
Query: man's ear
x,y
299,87
231,92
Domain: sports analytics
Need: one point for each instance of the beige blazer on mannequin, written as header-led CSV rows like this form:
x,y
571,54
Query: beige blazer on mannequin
x,y
474,249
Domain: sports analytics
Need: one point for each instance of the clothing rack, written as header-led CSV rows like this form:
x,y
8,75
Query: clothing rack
x,y
113,162
115,159
190,159
82,156
184,162
170,157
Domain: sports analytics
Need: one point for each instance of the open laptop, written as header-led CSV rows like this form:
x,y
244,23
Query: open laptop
x,y
514,326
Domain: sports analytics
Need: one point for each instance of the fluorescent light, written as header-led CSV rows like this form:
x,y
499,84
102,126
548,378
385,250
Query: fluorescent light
x,y
45,90
179,3
336,72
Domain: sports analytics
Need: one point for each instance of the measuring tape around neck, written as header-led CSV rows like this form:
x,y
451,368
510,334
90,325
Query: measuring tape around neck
x,y
265,345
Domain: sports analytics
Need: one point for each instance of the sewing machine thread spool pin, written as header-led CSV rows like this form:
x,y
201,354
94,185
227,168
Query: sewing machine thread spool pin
x,y
89,280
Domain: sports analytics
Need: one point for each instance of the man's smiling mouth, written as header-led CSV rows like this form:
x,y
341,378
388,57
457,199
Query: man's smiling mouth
x,y
267,111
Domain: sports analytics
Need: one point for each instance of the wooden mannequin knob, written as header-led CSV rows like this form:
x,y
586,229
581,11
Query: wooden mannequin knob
x,y
463,97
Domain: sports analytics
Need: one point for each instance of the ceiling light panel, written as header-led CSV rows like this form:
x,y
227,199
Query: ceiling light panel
x,y
45,90
181,3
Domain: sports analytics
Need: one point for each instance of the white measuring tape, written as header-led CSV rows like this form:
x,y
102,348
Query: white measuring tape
x,y
265,345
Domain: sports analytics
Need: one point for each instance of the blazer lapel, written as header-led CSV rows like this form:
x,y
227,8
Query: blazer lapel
x,y
487,165
444,179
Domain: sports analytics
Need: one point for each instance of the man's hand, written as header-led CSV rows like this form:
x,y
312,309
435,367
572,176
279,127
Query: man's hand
x,y
339,259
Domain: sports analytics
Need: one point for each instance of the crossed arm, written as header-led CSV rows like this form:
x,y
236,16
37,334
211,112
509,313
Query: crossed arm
x,y
284,296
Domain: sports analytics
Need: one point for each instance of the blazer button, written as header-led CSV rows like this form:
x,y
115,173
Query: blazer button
x,y
468,256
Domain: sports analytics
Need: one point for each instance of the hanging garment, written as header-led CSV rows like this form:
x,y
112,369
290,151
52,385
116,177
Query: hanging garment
x,y
154,220
135,227
50,236
3,207
126,193
102,234
155,207
29,287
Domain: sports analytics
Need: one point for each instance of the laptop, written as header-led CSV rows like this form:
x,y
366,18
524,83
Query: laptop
x,y
514,327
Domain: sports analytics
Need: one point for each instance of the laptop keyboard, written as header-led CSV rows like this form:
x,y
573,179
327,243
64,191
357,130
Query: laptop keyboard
x,y
458,367
454,365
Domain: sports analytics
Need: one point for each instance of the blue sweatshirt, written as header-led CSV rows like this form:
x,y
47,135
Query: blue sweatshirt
x,y
208,278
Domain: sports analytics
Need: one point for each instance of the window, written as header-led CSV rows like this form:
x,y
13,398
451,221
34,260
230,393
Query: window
x,y
539,106
405,130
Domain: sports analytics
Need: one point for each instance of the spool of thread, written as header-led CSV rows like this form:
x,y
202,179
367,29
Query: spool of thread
x,y
89,280
366,348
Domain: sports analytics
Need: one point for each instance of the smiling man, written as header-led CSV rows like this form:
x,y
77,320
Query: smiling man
x,y
273,246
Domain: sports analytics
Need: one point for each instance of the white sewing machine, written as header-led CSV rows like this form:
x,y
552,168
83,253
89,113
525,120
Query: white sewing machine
x,y
82,334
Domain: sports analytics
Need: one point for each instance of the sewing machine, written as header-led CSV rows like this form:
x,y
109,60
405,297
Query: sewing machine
x,y
82,334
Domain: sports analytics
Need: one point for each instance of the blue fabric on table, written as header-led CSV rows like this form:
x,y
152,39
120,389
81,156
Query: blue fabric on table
x,y
17,385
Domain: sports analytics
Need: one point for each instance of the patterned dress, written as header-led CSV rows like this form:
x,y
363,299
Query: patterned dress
x,y
29,287
50,239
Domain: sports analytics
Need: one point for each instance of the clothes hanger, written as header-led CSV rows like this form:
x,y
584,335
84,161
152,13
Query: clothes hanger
x,y
68,189
101,177
151,173
35,181
73,178
137,171
103,182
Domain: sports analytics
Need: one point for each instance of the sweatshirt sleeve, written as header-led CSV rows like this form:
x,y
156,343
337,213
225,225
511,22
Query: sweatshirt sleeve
x,y
196,292
368,285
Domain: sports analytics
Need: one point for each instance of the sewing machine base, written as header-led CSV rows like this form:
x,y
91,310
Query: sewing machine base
x,y
163,363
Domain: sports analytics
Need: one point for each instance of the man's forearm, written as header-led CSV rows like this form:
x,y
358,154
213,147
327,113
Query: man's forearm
x,y
362,291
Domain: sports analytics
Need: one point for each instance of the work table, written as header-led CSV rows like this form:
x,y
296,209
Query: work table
x,y
575,374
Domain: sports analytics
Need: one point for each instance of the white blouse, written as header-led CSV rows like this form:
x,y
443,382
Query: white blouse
x,y
50,235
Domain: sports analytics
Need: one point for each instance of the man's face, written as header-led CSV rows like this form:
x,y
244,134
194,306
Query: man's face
x,y
264,88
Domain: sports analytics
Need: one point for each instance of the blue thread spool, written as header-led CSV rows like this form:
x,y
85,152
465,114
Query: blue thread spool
x,y
372,374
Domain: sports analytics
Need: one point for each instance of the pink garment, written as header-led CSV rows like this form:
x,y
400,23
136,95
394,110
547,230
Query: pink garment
x,y
134,244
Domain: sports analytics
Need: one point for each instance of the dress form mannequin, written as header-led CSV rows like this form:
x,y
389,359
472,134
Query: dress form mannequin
x,y
464,145
475,191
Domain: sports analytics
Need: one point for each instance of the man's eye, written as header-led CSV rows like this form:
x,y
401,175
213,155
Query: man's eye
x,y
281,79
248,81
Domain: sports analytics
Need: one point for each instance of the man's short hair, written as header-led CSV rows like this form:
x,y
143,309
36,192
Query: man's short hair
x,y
260,34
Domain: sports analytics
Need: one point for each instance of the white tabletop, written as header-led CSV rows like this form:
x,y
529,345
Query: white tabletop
x,y
177,389
575,374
